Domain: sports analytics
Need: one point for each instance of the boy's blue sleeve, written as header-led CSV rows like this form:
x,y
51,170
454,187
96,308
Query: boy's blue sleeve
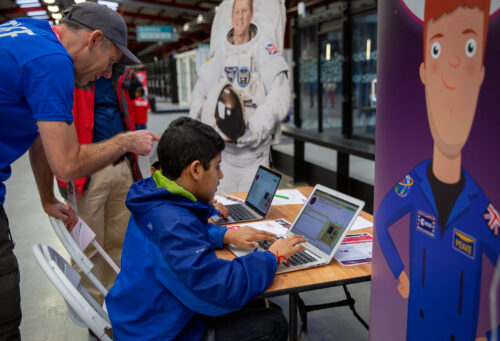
x,y
190,269
216,234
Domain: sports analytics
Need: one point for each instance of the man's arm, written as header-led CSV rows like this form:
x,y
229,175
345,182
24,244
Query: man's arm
x,y
70,160
45,182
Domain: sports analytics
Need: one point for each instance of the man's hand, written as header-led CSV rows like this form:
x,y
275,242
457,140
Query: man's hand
x,y
404,285
223,210
142,141
246,236
287,247
61,211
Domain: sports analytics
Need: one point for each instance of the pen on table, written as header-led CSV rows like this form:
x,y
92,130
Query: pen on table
x,y
281,196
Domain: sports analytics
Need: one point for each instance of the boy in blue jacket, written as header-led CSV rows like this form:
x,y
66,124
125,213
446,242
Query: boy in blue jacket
x,y
172,286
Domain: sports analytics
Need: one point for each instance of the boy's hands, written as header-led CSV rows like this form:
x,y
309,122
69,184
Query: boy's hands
x,y
245,237
224,212
288,246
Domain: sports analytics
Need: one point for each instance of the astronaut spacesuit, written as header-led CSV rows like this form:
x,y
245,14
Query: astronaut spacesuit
x,y
257,72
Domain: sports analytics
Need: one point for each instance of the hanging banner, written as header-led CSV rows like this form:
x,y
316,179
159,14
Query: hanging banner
x,y
157,33
437,181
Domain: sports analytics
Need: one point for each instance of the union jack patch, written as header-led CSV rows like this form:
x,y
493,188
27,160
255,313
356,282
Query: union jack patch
x,y
271,49
492,219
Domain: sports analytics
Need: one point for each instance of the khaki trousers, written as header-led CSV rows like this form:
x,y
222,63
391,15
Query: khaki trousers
x,y
102,207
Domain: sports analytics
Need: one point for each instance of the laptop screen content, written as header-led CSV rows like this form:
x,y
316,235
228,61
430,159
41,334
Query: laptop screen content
x,y
324,220
263,188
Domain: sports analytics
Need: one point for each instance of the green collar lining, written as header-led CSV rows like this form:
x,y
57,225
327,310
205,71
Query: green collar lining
x,y
163,182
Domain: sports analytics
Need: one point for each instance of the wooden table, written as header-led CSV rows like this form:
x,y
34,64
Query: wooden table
x,y
292,283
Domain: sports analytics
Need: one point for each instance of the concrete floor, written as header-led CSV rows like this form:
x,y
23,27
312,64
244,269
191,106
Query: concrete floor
x,y
45,313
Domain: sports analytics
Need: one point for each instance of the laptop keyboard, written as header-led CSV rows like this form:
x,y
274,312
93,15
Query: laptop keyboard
x,y
298,258
240,212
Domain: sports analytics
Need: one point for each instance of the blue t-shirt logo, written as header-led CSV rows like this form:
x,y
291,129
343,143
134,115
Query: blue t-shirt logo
x,y
7,29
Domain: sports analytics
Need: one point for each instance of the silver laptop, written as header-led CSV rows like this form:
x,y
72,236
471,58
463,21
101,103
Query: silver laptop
x,y
258,200
324,220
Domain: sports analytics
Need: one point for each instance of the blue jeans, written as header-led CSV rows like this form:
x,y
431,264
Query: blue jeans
x,y
252,322
140,126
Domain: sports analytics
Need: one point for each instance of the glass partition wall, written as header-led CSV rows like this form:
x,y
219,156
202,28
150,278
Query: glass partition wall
x,y
325,44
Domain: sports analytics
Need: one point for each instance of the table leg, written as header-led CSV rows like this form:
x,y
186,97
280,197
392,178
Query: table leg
x,y
293,299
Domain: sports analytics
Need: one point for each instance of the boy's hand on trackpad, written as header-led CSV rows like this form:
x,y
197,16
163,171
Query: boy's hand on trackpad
x,y
246,236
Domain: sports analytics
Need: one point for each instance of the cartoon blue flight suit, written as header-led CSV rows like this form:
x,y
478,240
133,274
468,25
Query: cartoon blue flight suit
x,y
445,269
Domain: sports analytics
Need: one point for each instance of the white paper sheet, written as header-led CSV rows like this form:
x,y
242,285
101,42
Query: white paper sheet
x,y
361,223
288,197
225,199
278,226
82,234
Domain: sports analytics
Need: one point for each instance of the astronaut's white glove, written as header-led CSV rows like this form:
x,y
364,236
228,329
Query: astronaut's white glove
x,y
262,124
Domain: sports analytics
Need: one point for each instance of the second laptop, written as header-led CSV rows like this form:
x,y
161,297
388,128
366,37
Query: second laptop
x,y
258,200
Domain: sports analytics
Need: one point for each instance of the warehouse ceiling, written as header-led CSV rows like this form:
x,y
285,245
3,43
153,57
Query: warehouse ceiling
x,y
191,18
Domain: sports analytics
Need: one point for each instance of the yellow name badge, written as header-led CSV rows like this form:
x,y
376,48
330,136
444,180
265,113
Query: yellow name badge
x,y
464,243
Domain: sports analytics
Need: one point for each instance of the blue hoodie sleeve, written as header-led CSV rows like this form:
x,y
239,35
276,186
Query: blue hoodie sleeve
x,y
216,235
206,284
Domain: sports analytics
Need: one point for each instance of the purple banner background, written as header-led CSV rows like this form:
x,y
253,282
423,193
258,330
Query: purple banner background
x,y
403,140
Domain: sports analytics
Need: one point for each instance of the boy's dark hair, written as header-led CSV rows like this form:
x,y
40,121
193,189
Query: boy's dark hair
x,y
156,165
140,90
187,140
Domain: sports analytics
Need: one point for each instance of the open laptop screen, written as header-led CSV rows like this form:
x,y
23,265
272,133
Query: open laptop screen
x,y
324,220
263,188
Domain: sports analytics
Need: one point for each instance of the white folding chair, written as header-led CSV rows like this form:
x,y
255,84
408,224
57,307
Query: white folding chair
x,y
83,310
77,254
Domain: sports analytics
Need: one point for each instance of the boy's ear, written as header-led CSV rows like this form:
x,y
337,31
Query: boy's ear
x,y
194,169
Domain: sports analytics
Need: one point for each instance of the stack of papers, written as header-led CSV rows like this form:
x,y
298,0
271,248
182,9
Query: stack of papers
x,y
278,226
225,199
355,249
288,197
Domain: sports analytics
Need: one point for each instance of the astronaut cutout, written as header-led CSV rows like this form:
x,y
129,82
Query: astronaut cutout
x,y
453,226
257,73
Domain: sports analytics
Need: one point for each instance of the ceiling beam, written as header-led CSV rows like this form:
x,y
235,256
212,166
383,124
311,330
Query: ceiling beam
x,y
131,14
169,6
23,10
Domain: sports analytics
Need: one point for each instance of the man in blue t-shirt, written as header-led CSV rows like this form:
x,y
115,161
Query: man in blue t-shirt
x,y
40,66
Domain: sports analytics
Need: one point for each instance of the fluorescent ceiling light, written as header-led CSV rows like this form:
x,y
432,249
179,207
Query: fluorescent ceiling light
x,y
186,27
56,16
48,2
53,8
199,19
112,5
79,1
31,4
34,13
41,17
368,48
20,2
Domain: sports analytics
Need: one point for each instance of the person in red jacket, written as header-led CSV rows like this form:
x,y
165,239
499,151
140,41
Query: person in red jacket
x,y
140,107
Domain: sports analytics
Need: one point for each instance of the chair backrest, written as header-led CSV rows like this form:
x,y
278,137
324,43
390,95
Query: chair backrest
x,y
77,254
82,308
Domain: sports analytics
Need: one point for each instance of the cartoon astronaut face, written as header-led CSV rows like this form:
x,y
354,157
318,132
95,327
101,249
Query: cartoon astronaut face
x,y
452,73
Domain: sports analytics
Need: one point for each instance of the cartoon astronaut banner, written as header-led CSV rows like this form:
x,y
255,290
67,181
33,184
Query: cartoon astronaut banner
x,y
437,181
